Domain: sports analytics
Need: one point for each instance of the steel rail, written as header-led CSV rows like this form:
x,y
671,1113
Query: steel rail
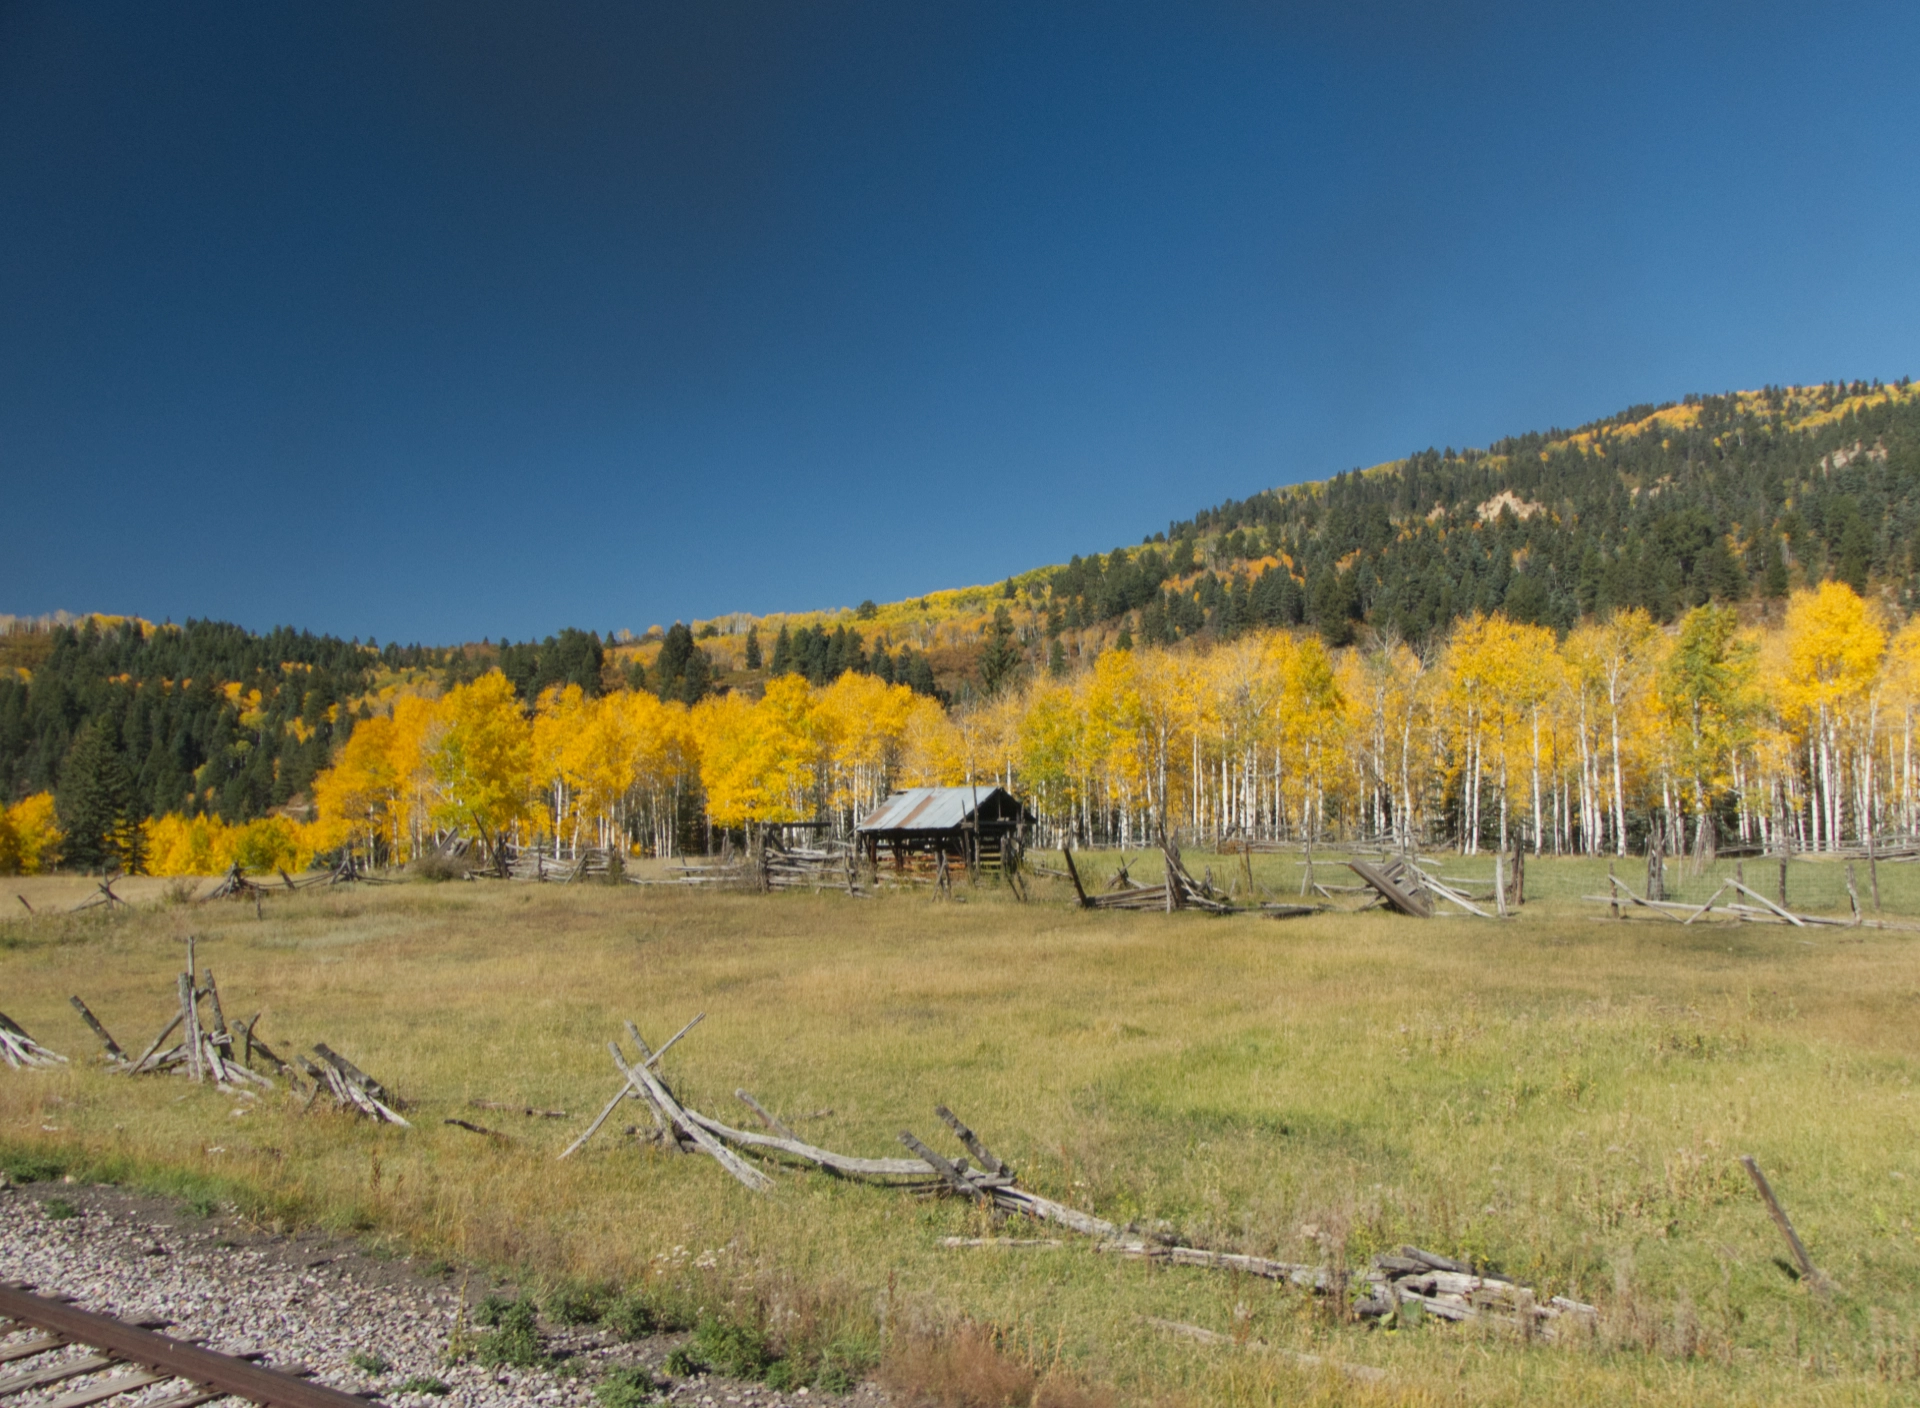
x,y
211,1375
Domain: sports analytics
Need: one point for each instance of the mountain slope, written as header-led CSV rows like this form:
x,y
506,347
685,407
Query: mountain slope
x,y
1729,498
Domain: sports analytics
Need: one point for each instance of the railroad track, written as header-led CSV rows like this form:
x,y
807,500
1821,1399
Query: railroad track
x,y
46,1343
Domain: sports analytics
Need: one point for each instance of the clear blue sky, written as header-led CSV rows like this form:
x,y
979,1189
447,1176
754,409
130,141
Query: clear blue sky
x,y
438,321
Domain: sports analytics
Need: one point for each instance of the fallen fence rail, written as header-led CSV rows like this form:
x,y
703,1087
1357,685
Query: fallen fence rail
x,y
1414,1282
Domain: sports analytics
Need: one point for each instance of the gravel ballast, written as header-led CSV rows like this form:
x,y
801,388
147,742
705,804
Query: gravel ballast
x,y
306,1300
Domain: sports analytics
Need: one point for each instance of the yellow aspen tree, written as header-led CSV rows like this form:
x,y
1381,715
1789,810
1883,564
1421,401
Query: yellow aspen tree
x,y
1052,765
561,716
29,836
189,845
1120,732
417,724
482,760
1833,647
666,760
758,761
864,725
1901,684
933,752
1383,685
1313,717
1613,663
354,799
1705,690
1244,698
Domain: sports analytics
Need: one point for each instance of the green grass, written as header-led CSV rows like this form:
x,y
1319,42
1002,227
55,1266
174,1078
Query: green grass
x,y
1559,1096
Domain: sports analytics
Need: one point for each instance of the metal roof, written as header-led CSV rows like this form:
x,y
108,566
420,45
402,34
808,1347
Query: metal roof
x,y
929,808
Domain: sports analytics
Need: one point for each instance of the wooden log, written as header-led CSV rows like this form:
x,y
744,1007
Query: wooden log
x,y
220,1032
916,1171
1408,902
1448,893
952,1176
1033,1205
353,1073
476,1129
644,1081
1813,1275
624,1093
1434,1261
1707,906
653,1059
766,1116
1787,915
364,1090
106,1037
147,1055
190,1013
988,1160
254,1043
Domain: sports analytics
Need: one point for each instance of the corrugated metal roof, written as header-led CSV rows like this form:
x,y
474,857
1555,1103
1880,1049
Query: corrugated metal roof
x,y
926,809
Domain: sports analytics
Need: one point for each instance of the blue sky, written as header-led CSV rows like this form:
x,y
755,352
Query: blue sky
x,y
432,322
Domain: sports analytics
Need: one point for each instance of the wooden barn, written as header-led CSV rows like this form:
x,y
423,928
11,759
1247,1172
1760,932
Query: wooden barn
x,y
982,828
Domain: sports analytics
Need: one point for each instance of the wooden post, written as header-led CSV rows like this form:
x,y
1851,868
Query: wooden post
x,y
1613,891
1783,880
1873,870
1853,893
1499,885
1740,879
190,1015
1808,1270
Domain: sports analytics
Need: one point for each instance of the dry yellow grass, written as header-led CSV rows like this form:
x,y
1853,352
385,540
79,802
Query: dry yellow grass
x,y
1561,1096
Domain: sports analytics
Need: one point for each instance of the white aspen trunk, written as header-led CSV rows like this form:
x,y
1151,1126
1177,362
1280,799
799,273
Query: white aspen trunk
x,y
1536,779
1619,785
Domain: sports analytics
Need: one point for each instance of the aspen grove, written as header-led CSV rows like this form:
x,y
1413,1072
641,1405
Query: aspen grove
x,y
1796,734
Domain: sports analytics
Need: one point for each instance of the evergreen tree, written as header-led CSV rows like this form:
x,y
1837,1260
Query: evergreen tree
x,y
95,803
919,677
753,647
1001,657
697,681
682,670
782,662
1057,659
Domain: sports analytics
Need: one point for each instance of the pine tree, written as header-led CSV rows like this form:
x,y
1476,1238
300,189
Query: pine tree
x,y
919,676
697,680
1002,654
95,802
753,647
1057,659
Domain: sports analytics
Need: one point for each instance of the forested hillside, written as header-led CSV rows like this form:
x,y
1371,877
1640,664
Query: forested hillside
x,y
1737,501
1715,498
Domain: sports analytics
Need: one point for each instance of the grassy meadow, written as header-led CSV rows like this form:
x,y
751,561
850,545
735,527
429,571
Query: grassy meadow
x,y
1557,1096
